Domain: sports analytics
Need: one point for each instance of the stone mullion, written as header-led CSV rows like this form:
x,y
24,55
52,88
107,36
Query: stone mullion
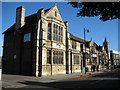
x,y
52,28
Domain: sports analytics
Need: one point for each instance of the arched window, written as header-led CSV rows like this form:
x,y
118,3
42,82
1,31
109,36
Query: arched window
x,y
49,31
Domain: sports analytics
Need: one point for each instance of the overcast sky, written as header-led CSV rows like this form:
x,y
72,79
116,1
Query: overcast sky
x,y
98,29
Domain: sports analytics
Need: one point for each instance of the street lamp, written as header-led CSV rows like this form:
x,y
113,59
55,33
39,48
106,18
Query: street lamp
x,y
84,53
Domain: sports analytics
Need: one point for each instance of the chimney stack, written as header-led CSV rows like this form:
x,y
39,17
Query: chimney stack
x,y
20,17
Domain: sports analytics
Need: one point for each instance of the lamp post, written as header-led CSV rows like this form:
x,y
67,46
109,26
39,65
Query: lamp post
x,y
84,53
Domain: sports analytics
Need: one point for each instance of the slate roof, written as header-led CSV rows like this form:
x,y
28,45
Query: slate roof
x,y
78,39
99,48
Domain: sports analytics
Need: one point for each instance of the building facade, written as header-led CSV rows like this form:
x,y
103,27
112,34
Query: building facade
x,y
40,45
115,59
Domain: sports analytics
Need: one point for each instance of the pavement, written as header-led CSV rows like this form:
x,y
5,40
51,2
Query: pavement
x,y
13,81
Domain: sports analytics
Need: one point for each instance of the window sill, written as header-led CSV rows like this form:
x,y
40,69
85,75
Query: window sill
x,y
55,42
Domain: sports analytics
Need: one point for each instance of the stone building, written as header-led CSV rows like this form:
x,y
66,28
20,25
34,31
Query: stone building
x,y
40,44
115,59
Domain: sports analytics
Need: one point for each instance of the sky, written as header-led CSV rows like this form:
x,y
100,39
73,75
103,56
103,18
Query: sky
x,y
98,29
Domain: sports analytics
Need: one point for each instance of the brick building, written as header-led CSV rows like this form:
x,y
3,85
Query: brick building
x,y
40,44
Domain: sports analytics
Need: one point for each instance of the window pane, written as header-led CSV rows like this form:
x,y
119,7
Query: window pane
x,y
76,59
55,14
49,56
57,33
73,44
57,57
27,37
49,31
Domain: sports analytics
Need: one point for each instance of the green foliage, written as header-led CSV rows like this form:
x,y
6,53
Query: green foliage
x,y
106,10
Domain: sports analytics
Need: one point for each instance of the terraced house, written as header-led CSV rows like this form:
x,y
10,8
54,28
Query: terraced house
x,y
40,44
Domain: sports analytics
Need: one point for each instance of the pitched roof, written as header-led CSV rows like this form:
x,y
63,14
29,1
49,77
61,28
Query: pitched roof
x,y
12,28
78,39
99,48
47,10
29,22
105,41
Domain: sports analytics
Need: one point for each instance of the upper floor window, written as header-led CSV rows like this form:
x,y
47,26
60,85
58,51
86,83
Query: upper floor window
x,y
49,31
55,13
27,37
73,44
58,33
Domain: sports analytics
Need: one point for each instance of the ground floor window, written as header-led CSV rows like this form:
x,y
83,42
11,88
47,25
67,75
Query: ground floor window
x,y
94,60
89,61
76,59
48,56
57,57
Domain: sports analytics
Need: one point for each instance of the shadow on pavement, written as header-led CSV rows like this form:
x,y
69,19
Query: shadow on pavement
x,y
73,84
93,82
109,75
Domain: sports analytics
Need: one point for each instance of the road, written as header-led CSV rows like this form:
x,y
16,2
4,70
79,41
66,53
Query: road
x,y
105,80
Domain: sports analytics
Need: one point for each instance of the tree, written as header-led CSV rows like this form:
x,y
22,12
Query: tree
x,y
106,10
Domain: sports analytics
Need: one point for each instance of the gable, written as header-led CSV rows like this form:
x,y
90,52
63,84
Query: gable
x,y
54,13
28,23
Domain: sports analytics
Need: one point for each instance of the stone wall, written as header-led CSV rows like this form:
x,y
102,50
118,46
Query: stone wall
x,y
52,69
8,54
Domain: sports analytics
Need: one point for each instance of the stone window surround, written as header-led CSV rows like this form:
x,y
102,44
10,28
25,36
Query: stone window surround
x,y
49,56
76,59
57,33
73,44
49,31
58,54
52,29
